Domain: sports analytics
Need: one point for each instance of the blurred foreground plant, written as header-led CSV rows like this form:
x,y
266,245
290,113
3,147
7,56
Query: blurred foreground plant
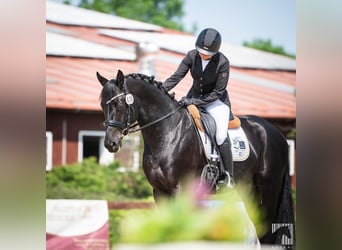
x,y
192,216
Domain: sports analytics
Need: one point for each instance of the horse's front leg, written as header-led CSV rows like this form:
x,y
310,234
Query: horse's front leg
x,y
163,182
159,195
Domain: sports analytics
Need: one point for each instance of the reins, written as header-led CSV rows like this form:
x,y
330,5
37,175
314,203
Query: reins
x,y
152,123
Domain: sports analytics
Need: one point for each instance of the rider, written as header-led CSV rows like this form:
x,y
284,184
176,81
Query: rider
x,y
210,72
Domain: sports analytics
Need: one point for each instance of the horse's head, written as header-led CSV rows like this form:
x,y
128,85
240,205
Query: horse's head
x,y
116,105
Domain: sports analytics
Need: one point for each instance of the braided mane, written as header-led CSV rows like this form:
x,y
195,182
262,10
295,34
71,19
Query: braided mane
x,y
152,81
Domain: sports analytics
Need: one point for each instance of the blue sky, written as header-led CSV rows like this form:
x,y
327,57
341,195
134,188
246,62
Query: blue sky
x,y
245,20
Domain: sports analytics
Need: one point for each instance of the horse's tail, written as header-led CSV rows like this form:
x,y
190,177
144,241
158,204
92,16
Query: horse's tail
x,y
285,213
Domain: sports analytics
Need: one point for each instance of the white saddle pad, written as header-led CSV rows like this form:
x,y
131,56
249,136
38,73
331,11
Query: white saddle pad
x,y
239,142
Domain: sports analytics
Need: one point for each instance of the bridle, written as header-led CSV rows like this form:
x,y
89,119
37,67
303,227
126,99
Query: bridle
x,y
125,127
129,127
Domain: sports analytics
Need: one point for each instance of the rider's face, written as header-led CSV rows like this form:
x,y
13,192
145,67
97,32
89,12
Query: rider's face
x,y
204,57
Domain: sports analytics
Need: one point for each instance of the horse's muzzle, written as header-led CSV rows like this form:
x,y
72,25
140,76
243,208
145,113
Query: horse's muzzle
x,y
112,146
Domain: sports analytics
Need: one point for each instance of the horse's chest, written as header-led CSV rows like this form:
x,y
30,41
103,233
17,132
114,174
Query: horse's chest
x,y
151,162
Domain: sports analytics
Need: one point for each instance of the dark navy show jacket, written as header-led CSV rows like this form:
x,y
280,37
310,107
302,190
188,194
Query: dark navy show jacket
x,y
208,85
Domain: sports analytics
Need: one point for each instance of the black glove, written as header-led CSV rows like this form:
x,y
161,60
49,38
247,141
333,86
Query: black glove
x,y
185,101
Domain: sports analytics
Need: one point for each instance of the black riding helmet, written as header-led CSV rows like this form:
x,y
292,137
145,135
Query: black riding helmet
x,y
208,41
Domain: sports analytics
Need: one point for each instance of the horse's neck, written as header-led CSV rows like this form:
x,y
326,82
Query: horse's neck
x,y
153,103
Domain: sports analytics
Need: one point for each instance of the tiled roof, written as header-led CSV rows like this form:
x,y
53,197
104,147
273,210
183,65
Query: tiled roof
x,y
135,31
62,45
71,73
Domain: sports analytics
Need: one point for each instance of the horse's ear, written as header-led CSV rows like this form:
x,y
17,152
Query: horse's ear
x,y
120,79
101,79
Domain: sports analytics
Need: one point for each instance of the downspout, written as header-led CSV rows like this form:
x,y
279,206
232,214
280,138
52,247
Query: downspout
x,y
64,141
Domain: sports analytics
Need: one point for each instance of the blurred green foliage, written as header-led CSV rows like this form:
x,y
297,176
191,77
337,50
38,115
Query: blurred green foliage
x,y
266,45
115,217
183,219
90,180
166,13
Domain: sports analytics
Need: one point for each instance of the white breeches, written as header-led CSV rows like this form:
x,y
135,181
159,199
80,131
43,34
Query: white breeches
x,y
220,112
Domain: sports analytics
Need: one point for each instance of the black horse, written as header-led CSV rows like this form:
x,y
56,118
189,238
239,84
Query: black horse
x,y
172,149
285,231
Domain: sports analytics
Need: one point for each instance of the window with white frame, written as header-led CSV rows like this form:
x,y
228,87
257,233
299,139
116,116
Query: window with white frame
x,y
291,144
48,141
129,155
91,143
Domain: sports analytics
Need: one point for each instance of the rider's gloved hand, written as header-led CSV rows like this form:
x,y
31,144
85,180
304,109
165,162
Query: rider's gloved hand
x,y
185,101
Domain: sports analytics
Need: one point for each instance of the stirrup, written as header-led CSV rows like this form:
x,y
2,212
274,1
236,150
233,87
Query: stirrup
x,y
230,183
228,180
209,175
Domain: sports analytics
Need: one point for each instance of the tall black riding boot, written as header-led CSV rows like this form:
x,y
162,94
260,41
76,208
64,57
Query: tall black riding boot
x,y
227,158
